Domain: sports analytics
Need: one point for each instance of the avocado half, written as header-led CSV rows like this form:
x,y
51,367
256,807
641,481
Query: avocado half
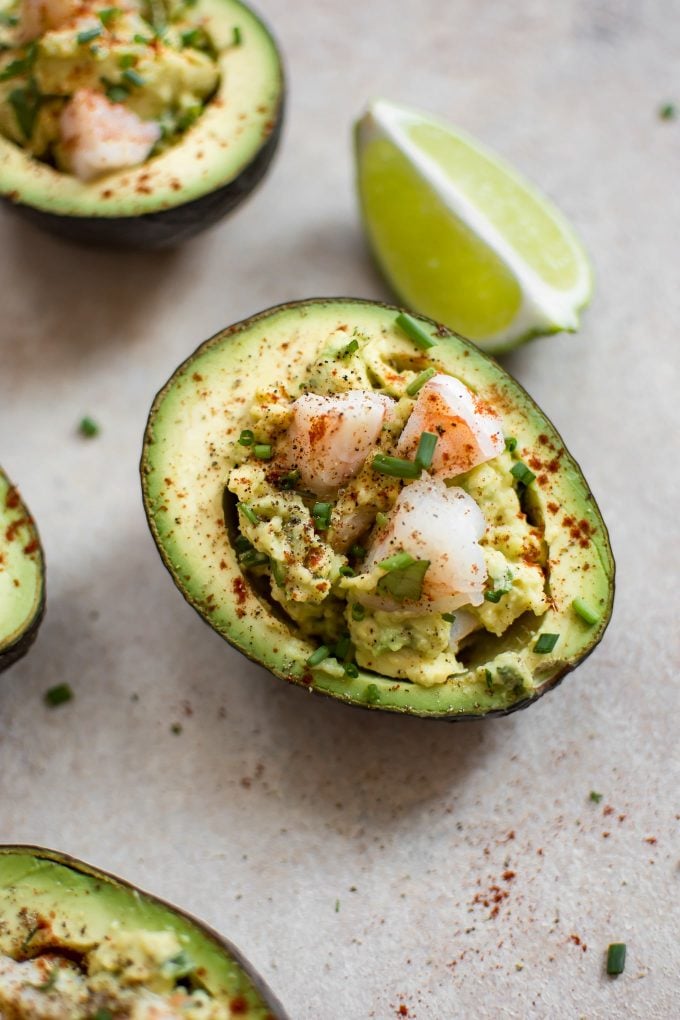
x,y
22,576
53,903
193,427
192,184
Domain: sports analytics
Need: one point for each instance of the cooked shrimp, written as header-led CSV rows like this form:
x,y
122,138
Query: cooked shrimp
x,y
329,438
48,988
469,431
38,16
432,522
98,136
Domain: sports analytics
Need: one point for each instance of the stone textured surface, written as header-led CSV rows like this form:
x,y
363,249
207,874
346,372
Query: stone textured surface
x,y
352,856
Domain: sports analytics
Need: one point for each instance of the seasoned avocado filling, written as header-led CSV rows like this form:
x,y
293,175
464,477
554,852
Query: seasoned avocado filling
x,y
91,87
381,508
141,975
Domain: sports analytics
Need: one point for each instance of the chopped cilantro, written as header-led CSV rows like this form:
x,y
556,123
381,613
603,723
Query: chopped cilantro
x,y
595,797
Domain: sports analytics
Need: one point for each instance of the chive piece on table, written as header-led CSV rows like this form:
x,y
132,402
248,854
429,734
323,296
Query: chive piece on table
x,y
425,451
58,695
668,111
88,427
414,331
586,612
595,797
546,643
395,467
417,384
522,473
319,655
247,437
616,958
248,513
263,451
88,35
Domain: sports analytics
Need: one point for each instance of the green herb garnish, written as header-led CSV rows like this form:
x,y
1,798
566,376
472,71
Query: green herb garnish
x,y
510,444
348,349
176,728
263,451
236,37
189,116
344,649
668,111
380,519
51,981
8,20
247,437
134,77
88,35
103,1014
372,694
278,572
414,331
321,514
351,669
253,558
58,695
126,60
290,480
26,105
585,611
488,679
179,966
21,65
358,611
357,551
522,473
337,906
546,643
595,797
425,451
501,588
449,617
347,571
248,512
616,958
395,467
403,578
88,427
116,93
319,655
108,14
417,384
141,40
242,544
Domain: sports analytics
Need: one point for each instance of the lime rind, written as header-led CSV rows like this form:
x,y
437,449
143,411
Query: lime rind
x,y
544,309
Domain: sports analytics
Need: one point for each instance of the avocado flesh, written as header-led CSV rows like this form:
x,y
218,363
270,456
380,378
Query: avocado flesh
x,y
192,432
22,576
235,128
50,902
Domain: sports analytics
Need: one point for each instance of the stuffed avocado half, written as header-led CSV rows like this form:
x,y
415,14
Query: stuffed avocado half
x,y
137,123
22,576
369,506
80,944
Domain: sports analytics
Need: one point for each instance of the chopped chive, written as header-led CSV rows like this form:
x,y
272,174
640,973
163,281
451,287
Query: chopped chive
x,y
247,437
546,643
381,519
668,111
425,451
126,60
58,695
344,649
372,694
347,571
176,728
290,480
319,655
414,331
107,15
26,105
595,797
263,451
502,588
522,473
8,20
242,544
358,611
134,77
357,551
337,906
21,64
50,982
616,958
399,561
449,617
141,40
191,37
278,572
103,1014
417,384
248,513
117,93
321,513
253,558
351,669
585,611
395,467
488,679
510,444
178,966
236,36
349,349
88,427
88,35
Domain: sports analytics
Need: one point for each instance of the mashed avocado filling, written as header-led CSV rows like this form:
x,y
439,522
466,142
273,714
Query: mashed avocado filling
x,y
154,59
310,553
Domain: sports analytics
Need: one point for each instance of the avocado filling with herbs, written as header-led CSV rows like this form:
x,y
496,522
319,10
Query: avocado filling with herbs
x,y
92,87
384,513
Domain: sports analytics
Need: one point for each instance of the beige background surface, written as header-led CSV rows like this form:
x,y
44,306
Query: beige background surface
x,y
271,805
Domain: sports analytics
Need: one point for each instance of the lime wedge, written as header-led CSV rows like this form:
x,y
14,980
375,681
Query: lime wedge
x,y
460,236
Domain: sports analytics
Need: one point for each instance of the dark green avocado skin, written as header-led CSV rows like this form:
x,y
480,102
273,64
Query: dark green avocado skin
x,y
277,1012
163,229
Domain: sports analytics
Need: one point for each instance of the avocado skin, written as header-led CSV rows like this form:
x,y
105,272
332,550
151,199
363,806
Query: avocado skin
x,y
306,680
277,1012
18,649
164,229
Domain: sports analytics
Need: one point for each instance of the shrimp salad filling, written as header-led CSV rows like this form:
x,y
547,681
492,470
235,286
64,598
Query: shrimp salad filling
x,y
384,513
92,87
129,975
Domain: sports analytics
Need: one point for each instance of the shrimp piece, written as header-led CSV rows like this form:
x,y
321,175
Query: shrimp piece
x,y
48,988
443,525
329,438
98,136
39,16
469,431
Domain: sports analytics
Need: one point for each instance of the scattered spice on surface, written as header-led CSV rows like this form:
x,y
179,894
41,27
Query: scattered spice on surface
x,y
88,427
58,695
